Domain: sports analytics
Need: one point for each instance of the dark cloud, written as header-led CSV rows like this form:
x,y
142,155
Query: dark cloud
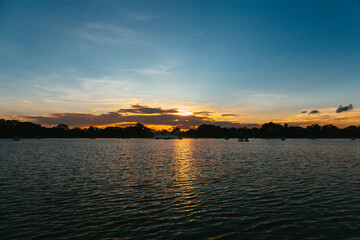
x,y
344,108
314,111
137,113
304,112
85,120
203,113
147,110
233,115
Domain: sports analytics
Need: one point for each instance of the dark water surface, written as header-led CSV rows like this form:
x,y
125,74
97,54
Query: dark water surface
x,y
179,189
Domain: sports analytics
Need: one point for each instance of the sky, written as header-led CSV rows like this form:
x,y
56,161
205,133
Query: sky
x,y
180,63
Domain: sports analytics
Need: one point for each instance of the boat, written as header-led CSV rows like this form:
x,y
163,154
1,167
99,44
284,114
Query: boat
x,y
283,139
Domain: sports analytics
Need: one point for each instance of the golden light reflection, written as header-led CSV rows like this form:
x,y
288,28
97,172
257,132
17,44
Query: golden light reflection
x,y
185,175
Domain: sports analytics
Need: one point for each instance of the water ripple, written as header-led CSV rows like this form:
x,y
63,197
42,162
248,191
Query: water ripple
x,y
189,189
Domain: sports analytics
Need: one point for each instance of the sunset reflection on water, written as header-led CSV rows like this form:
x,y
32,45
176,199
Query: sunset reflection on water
x,y
180,189
185,176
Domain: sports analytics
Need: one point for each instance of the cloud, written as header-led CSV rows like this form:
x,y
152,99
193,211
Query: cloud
x,y
304,112
24,101
86,119
233,115
159,70
75,92
139,16
107,34
206,113
344,109
137,113
314,111
151,71
147,110
265,95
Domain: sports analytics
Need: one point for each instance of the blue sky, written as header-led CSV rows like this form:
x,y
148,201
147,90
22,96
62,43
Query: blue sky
x,y
258,60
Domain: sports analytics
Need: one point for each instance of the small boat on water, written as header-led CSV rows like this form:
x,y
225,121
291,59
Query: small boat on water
x,y
16,138
283,139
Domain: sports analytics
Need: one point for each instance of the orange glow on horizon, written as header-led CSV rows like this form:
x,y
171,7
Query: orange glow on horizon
x,y
151,126
189,116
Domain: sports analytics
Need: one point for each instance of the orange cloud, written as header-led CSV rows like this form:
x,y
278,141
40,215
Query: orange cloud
x,y
325,116
169,117
24,101
154,117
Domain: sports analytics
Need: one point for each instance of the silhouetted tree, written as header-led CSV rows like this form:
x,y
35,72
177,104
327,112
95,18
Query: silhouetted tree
x,y
63,126
176,131
11,128
313,130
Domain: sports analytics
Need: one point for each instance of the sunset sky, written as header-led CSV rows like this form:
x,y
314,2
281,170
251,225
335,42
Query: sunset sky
x,y
180,63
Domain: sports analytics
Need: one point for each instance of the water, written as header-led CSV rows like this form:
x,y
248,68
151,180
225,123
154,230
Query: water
x,y
179,189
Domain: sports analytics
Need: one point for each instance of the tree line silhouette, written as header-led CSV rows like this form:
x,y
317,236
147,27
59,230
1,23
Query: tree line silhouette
x,y
11,128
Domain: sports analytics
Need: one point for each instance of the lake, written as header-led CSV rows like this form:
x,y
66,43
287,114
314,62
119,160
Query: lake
x,y
179,189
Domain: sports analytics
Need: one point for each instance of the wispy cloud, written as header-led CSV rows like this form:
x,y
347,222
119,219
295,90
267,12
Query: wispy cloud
x,y
151,71
136,16
24,101
68,91
108,34
159,70
253,98
264,95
